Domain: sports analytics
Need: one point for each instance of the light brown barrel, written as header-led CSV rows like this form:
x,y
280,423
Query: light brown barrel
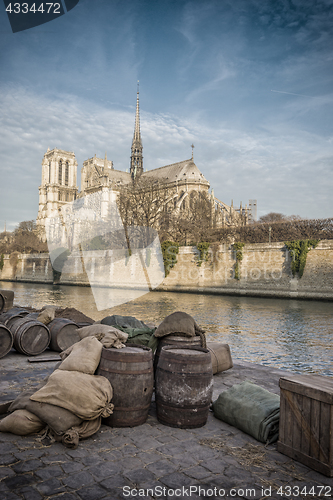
x,y
131,374
6,300
221,356
175,340
30,336
6,340
183,386
63,334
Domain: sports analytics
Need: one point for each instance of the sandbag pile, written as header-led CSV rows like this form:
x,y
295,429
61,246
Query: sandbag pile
x,y
72,402
108,336
182,324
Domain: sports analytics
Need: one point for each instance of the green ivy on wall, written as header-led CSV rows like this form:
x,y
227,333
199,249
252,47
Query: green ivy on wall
x,y
170,249
238,248
2,261
203,252
299,250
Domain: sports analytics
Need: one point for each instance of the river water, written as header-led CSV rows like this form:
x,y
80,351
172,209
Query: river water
x,y
295,335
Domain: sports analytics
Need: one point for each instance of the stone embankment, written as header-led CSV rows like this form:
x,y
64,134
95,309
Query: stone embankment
x,y
264,271
152,460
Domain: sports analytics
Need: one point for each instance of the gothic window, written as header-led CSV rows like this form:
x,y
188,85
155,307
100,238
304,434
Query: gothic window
x,y
59,196
49,172
66,173
192,199
60,172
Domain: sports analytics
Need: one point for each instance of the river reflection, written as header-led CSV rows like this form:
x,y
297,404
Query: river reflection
x,y
289,334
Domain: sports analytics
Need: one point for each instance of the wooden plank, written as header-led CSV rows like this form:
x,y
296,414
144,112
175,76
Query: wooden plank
x,y
305,424
297,428
282,421
315,429
325,431
304,459
331,441
289,419
44,359
312,386
5,406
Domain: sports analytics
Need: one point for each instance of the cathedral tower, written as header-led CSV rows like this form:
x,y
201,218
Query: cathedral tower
x,y
136,167
59,170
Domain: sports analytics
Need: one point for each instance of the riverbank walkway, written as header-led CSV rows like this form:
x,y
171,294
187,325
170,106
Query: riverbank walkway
x,y
151,461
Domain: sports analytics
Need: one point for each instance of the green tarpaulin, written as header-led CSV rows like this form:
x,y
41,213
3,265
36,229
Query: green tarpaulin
x,y
251,409
138,332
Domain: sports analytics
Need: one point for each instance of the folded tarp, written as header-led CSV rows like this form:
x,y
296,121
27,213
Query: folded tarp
x,y
138,332
250,408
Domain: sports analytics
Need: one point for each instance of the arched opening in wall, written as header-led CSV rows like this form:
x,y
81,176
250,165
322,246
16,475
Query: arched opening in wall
x,y
49,172
193,197
66,173
60,172
182,204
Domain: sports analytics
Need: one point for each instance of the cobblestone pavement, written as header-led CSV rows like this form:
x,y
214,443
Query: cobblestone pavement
x,y
151,461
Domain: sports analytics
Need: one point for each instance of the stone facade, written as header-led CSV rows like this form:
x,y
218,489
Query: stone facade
x,y
58,187
183,180
265,271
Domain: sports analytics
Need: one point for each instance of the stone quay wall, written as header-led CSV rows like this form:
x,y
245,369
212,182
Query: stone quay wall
x,y
265,271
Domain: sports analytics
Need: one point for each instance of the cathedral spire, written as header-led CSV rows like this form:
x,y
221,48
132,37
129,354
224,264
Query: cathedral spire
x,y
136,150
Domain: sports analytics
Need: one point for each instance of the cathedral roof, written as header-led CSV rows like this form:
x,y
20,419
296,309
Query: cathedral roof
x,y
179,171
120,177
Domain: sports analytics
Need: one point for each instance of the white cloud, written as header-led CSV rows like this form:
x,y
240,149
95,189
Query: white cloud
x,y
286,170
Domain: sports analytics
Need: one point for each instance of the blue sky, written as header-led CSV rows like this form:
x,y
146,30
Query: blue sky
x,y
249,82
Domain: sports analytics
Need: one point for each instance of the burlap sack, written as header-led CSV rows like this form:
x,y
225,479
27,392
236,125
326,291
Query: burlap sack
x,y
84,356
178,322
111,340
47,314
72,436
98,328
57,418
87,396
21,423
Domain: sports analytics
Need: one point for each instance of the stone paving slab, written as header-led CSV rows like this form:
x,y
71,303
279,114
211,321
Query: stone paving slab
x,y
151,461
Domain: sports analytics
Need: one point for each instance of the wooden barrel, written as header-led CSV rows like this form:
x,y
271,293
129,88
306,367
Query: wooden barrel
x,y
30,336
6,300
63,334
221,356
183,386
6,340
15,311
131,374
175,340
33,315
10,322
81,324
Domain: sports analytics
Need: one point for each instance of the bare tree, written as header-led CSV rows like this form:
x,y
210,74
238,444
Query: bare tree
x,y
24,239
144,202
272,217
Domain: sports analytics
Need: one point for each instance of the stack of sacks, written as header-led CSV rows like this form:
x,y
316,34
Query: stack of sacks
x,y
72,402
179,323
109,336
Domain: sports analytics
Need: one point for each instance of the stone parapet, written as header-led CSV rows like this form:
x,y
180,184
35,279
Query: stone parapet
x,y
264,271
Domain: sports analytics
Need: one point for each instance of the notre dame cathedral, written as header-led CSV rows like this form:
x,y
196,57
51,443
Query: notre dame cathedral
x,y
59,182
